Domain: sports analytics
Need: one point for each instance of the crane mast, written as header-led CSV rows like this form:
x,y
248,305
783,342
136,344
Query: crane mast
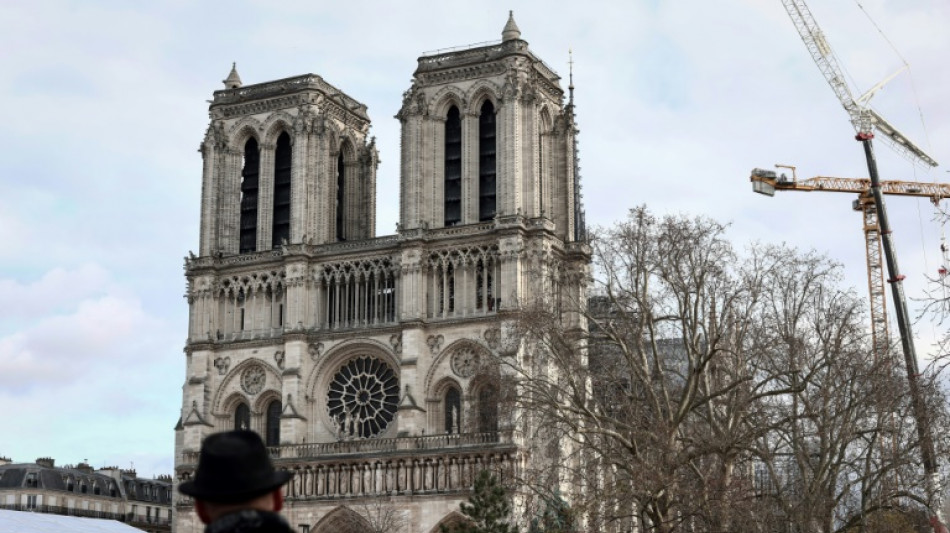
x,y
767,182
863,119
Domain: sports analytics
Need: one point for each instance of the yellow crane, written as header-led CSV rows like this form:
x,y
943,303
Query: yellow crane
x,y
767,182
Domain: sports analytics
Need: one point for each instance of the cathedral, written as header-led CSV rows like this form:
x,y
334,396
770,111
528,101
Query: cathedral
x,y
373,366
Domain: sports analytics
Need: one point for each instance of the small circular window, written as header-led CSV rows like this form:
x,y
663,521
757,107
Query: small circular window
x,y
362,397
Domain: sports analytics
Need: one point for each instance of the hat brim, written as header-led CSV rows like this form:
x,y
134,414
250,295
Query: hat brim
x,y
190,488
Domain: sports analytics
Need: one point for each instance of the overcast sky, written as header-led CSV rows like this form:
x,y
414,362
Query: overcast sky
x,y
103,105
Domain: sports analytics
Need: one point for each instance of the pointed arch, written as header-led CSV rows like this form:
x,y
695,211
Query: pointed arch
x,y
231,385
479,92
450,520
342,520
344,187
444,99
242,130
276,124
485,390
441,366
447,395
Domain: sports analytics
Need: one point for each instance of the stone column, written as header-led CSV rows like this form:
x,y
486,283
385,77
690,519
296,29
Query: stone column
x,y
265,198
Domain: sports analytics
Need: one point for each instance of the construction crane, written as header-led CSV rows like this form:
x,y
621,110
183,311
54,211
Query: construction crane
x,y
767,182
864,120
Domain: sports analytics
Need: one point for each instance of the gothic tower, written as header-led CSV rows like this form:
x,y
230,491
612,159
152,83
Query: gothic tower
x,y
370,365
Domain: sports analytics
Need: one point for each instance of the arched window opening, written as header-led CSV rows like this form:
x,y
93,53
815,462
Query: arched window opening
x,y
453,167
273,423
340,198
542,157
445,278
453,410
484,290
488,409
249,184
486,162
282,164
242,416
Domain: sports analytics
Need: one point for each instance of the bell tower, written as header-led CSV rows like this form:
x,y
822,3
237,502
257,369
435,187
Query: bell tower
x,y
285,162
486,133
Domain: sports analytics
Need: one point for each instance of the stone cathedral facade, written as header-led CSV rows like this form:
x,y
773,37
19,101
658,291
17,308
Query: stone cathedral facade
x,y
370,365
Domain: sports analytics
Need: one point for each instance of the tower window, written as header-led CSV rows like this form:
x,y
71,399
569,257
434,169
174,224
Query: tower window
x,y
249,185
453,410
486,162
273,423
242,417
282,166
340,197
453,167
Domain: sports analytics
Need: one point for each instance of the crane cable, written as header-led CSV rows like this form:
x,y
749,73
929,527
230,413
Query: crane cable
x,y
920,114
910,73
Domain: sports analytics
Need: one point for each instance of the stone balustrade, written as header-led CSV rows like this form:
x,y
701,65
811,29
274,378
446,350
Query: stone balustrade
x,y
382,467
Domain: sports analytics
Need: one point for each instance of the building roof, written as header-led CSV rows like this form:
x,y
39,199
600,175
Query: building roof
x,y
27,522
124,482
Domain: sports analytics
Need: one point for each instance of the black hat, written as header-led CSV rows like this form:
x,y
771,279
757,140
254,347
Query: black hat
x,y
233,467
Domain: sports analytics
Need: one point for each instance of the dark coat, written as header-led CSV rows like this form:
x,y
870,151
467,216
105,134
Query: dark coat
x,y
249,521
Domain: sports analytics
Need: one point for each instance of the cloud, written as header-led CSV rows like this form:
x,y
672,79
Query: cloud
x,y
72,323
56,288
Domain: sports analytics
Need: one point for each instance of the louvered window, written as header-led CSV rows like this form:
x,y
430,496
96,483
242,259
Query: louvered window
x,y
453,167
249,185
486,162
282,165
340,198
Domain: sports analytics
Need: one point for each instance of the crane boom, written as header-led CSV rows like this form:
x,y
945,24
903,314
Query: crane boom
x,y
863,118
767,179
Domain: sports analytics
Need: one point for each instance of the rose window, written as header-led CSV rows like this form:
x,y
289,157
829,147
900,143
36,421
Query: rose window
x,y
362,397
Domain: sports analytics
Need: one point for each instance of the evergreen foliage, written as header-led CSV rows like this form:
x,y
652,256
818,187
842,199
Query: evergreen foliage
x,y
557,517
487,509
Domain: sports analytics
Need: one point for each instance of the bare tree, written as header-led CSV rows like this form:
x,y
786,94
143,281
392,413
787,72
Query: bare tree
x,y
373,516
710,390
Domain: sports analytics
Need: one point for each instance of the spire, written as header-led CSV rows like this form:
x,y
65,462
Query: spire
x,y
233,81
570,85
511,31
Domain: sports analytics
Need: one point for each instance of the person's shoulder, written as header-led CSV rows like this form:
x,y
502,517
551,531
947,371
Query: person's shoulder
x,y
250,521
